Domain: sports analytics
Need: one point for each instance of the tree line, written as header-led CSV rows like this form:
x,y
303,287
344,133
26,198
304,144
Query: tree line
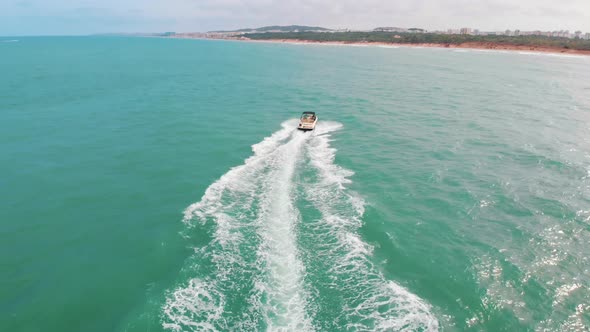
x,y
427,38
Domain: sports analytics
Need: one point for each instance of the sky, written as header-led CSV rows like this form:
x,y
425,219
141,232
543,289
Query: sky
x,y
71,17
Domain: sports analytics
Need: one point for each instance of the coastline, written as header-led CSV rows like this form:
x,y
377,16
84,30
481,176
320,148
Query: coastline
x,y
466,46
481,46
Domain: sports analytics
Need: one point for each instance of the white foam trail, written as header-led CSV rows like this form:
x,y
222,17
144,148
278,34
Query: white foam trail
x,y
184,307
285,308
252,200
253,261
370,301
239,178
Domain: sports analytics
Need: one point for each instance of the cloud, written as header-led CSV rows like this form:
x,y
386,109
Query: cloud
x,y
201,15
431,14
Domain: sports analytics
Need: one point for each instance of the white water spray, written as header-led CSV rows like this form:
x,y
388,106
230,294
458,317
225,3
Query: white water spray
x,y
255,197
254,256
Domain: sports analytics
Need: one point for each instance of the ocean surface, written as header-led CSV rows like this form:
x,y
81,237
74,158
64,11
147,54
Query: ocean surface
x,y
160,185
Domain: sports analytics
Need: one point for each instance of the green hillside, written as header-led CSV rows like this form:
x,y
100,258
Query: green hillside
x,y
287,28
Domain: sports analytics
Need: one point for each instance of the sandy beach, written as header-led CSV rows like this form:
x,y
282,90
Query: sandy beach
x,y
473,46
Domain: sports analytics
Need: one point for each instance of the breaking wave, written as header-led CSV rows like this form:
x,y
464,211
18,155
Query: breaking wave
x,y
281,252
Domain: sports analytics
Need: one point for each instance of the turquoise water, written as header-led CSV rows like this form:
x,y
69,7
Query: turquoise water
x,y
159,185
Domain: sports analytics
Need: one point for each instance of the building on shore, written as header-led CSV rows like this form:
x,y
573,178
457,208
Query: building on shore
x,y
465,31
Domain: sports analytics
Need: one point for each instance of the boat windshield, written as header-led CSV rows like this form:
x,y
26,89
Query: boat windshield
x,y
308,116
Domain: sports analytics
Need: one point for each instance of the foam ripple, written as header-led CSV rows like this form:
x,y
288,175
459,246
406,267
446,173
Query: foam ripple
x,y
369,301
251,275
253,250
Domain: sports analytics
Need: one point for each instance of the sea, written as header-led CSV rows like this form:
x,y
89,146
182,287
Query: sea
x,y
152,184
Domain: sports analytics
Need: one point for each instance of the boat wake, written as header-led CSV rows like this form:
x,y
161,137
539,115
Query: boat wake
x,y
277,248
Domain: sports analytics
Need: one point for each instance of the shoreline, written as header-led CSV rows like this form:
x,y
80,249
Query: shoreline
x,y
466,46
481,46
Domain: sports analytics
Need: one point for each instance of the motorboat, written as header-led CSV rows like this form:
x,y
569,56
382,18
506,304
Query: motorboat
x,y
308,121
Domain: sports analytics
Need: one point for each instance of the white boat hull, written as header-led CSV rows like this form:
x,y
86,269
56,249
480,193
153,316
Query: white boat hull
x,y
307,126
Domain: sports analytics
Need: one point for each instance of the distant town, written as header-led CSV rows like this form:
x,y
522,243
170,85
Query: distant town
x,y
460,31
558,41
511,33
